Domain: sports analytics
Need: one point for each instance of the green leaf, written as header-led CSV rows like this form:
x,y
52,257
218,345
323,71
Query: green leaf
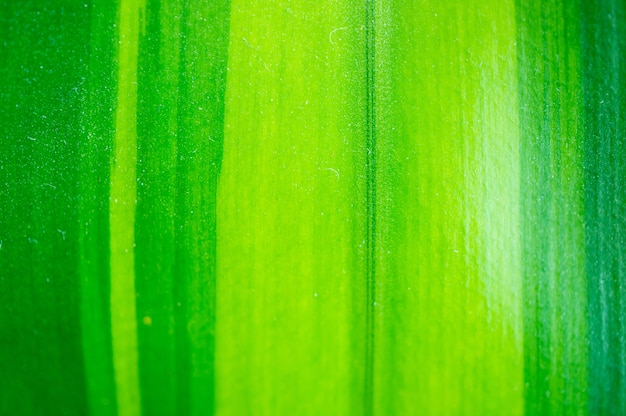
x,y
291,207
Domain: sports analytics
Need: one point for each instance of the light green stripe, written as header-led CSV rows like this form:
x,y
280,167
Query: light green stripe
x,y
448,319
291,216
122,214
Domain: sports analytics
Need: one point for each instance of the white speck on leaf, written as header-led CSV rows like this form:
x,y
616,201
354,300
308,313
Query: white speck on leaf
x,y
335,171
330,35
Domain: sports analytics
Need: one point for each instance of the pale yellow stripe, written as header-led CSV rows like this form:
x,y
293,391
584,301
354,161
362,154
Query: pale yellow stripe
x,y
122,214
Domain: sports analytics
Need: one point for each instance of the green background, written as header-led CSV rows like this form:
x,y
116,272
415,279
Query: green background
x,y
401,207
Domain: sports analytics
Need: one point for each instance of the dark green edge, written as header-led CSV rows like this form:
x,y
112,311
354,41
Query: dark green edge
x,y
96,146
180,139
604,84
41,365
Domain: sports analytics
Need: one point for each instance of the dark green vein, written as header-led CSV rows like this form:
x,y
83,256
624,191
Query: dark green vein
x,y
370,52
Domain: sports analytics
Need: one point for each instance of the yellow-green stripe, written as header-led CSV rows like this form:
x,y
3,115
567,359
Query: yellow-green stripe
x,y
291,212
122,204
448,307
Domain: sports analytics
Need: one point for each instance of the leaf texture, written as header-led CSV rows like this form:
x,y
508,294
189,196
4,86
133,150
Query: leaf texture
x,y
272,208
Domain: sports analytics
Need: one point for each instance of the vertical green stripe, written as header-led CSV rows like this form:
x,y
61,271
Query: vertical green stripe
x,y
552,208
604,85
181,83
123,194
370,160
41,365
200,135
98,124
292,239
157,142
448,308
